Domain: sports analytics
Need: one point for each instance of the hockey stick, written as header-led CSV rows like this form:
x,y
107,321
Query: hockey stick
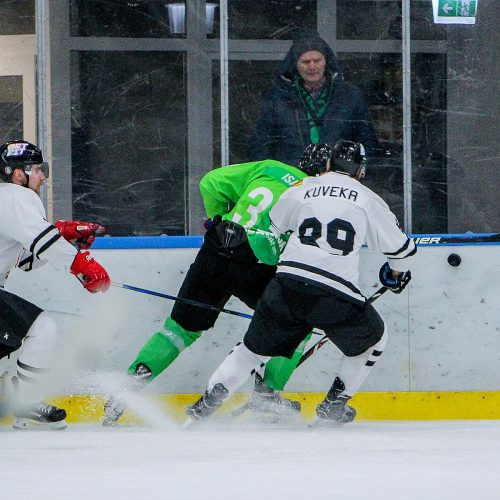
x,y
457,239
321,342
194,303
190,302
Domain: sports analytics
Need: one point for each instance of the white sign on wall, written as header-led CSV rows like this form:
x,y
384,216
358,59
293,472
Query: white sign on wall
x,y
454,11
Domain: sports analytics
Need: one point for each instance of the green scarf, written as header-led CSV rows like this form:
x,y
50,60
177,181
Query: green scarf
x,y
315,108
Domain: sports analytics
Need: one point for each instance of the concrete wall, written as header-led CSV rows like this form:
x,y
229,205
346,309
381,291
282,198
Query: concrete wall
x,y
444,330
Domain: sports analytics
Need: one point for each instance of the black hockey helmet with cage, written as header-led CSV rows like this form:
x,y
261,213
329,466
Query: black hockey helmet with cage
x,y
20,154
315,158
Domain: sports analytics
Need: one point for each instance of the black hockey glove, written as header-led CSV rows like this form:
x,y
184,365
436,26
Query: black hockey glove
x,y
394,284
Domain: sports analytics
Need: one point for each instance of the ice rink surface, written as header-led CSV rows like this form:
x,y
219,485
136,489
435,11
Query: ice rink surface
x,y
225,460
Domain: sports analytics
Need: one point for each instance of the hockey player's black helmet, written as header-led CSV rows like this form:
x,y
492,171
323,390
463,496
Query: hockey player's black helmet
x,y
349,157
20,154
315,158
345,156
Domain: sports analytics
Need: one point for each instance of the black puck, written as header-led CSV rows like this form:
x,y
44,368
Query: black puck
x,y
454,259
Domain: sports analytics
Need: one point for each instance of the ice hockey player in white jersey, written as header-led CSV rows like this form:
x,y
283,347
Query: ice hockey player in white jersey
x,y
329,216
28,240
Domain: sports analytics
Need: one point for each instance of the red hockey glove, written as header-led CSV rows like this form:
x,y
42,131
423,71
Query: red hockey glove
x,y
92,275
79,232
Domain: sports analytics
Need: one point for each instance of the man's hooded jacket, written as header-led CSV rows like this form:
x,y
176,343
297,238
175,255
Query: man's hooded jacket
x,y
283,129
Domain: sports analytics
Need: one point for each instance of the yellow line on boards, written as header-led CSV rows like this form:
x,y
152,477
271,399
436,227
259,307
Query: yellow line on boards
x,y
369,406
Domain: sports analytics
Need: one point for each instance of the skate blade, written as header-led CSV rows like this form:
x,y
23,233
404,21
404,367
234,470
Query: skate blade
x,y
189,423
274,411
109,422
266,415
294,418
26,424
267,418
323,423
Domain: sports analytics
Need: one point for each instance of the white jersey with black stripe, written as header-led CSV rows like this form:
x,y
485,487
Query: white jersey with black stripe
x,y
25,231
329,218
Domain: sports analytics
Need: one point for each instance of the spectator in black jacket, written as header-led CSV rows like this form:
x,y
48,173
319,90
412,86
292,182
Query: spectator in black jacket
x,y
310,103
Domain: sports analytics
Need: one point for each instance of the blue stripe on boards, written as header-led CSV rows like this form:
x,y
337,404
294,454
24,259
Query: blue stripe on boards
x,y
137,242
129,242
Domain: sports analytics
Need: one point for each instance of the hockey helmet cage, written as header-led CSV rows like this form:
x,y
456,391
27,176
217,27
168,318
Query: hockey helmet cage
x,y
349,157
20,154
315,158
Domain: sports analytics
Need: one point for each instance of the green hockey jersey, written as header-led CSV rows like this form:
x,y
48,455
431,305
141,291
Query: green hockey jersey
x,y
245,193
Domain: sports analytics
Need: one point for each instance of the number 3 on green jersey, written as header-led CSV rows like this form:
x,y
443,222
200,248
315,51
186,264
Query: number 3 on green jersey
x,y
254,210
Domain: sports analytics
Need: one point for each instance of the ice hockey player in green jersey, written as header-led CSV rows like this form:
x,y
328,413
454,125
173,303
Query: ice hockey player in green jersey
x,y
238,257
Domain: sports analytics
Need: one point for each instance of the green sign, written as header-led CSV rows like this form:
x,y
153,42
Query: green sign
x,y
457,8
455,11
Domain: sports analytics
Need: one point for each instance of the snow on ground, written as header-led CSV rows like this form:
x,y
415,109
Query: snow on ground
x,y
228,460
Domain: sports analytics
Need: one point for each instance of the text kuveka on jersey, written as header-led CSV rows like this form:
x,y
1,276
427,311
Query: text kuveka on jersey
x,y
334,215
334,191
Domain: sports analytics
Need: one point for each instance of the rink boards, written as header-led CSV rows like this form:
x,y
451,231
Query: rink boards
x,y
441,361
369,406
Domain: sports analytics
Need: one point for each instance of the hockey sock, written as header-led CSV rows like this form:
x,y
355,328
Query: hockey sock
x,y
279,369
355,369
237,368
34,360
163,347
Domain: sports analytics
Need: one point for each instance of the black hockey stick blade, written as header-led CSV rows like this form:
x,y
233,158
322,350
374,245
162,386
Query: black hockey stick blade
x,y
457,239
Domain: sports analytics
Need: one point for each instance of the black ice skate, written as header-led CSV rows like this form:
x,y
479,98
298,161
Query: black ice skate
x,y
207,405
334,407
114,407
40,416
267,400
